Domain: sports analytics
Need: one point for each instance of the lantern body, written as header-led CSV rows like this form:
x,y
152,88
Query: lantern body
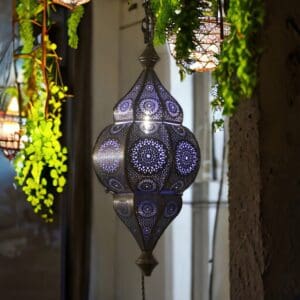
x,y
10,127
147,159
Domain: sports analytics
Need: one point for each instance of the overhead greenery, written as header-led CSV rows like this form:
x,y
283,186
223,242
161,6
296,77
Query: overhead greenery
x,y
180,19
236,74
73,23
41,165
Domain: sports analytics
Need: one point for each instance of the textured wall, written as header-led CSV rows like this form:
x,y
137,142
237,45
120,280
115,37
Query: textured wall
x,y
265,169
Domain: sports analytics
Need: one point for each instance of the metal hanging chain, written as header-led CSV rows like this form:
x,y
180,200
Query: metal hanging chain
x,y
221,11
148,23
143,288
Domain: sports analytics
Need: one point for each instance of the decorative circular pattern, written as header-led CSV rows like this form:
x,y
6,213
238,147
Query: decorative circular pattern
x,y
146,231
171,209
117,128
109,154
149,127
186,158
147,209
123,209
149,106
125,106
147,185
149,88
178,186
173,108
115,185
137,87
148,156
179,130
146,225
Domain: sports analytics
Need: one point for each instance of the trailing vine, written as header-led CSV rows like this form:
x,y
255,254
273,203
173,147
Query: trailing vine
x,y
41,165
180,18
73,23
237,72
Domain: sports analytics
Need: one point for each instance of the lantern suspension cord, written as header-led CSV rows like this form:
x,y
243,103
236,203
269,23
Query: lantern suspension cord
x,y
148,23
216,223
148,30
44,52
221,11
15,69
143,288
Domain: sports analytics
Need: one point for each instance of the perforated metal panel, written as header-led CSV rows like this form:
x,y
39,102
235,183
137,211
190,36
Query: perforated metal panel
x,y
147,158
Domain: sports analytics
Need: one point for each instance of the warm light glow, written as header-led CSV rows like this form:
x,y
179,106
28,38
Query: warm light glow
x,y
10,128
147,124
71,3
13,107
9,124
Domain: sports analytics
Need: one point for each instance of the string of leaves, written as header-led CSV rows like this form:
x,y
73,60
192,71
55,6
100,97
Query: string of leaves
x,y
41,165
73,23
237,72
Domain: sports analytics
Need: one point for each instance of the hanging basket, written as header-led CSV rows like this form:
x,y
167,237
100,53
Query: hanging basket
x,y
208,45
70,4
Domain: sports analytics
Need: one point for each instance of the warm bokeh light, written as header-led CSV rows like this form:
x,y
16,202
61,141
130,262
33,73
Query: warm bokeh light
x,y
10,127
13,107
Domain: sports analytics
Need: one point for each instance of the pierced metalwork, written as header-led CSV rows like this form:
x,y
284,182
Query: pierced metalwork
x,y
147,158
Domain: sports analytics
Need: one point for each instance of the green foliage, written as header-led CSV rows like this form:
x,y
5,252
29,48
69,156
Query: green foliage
x,y
237,72
180,18
6,95
27,11
41,165
236,75
73,23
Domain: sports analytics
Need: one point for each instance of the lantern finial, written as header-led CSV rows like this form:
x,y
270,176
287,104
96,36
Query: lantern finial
x,y
149,57
147,262
148,23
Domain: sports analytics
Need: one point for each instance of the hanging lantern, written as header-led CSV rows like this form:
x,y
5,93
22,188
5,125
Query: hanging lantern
x,y
147,158
70,4
10,129
208,39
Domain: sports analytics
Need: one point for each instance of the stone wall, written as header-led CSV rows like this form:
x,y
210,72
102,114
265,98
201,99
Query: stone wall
x,y
265,168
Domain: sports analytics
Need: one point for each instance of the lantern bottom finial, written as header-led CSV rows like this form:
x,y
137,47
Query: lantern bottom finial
x,y
147,262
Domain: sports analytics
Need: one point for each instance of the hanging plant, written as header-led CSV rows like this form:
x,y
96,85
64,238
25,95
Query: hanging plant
x,y
180,20
237,72
41,165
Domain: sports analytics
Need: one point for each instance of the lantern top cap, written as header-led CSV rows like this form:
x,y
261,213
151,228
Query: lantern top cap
x,y
149,57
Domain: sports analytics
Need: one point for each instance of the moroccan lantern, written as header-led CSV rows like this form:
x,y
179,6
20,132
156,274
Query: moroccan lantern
x,y
10,127
146,158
